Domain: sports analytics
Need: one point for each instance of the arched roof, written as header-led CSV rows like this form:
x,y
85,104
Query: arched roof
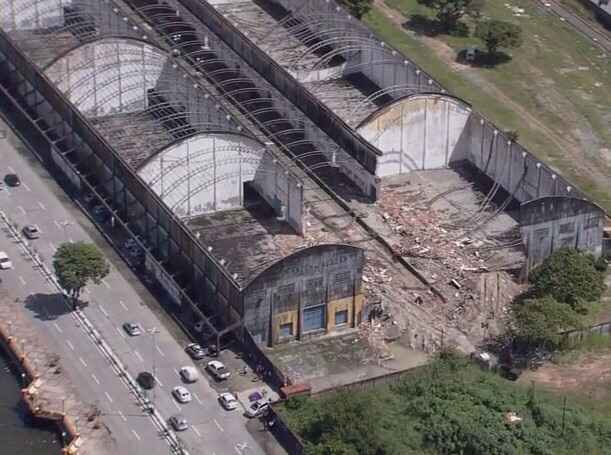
x,y
317,249
409,98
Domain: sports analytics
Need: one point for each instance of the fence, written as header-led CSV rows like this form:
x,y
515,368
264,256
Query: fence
x,y
576,336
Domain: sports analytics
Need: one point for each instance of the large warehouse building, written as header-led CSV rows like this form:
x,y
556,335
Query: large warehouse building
x,y
228,135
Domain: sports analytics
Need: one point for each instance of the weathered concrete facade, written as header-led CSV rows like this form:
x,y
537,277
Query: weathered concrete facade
x,y
314,291
554,222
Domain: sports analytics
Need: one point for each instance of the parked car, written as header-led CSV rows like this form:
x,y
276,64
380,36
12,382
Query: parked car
x,y
218,370
258,408
179,422
5,262
132,329
88,198
100,212
228,401
195,351
146,380
31,231
12,180
188,374
181,394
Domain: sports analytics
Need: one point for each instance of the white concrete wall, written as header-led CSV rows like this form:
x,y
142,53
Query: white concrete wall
x,y
418,132
108,76
204,173
31,14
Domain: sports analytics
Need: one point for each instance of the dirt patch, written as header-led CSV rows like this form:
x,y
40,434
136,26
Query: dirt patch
x,y
590,374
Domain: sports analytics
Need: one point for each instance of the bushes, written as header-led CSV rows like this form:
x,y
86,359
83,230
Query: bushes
x,y
452,407
569,277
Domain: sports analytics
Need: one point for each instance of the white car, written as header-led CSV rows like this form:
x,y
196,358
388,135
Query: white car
x,y
181,394
218,370
5,262
257,409
228,401
188,374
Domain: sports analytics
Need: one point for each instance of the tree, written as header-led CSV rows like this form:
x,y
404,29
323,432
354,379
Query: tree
x,y
449,12
569,277
538,322
76,264
496,34
358,8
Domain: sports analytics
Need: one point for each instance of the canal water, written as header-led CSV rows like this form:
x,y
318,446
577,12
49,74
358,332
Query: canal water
x,y
18,435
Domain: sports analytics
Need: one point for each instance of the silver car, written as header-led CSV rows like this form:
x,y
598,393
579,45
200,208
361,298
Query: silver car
x,y
179,422
31,231
181,394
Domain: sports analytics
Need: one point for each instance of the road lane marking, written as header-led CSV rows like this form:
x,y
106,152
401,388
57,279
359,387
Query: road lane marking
x,y
197,432
11,169
82,361
136,435
159,351
52,246
122,416
70,345
87,291
21,209
197,398
158,381
25,185
108,396
106,284
41,205
218,425
58,327
177,372
123,305
137,354
103,310
120,332
22,280
177,405
95,379
57,223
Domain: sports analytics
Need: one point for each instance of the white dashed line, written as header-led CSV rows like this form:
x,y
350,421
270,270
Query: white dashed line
x,y
108,396
82,361
159,351
22,280
122,416
137,354
25,185
58,327
52,246
197,432
70,345
197,398
136,435
95,379
21,209
123,305
105,283
158,381
41,205
57,223
218,425
103,311
11,169
177,405
120,332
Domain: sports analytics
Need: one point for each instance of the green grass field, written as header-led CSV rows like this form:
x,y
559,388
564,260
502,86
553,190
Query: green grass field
x,y
555,91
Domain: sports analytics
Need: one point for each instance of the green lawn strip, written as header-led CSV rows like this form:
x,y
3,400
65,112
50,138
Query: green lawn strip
x,y
555,66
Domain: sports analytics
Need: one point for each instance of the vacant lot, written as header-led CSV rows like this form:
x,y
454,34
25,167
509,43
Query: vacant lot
x,y
451,407
555,91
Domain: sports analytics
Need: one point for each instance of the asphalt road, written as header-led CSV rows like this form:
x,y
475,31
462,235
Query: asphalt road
x,y
39,201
